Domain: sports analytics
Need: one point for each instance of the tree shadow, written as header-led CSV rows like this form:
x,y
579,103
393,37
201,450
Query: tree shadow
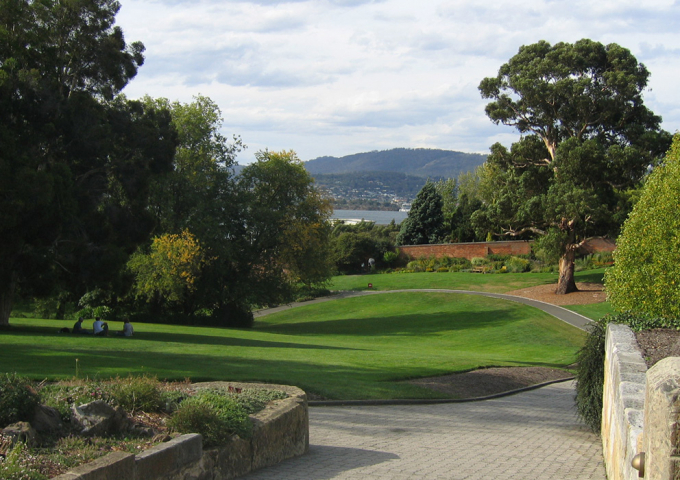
x,y
166,337
401,325
330,461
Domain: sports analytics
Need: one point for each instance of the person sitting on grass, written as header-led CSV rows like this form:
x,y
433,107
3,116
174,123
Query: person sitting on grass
x,y
78,327
101,329
127,329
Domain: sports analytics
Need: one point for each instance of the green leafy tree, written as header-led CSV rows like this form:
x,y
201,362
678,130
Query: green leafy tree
x,y
587,141
288,226
646,275
425,221
170,269
76,157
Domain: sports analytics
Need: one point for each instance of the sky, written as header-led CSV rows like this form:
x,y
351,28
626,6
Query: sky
x,y
337,77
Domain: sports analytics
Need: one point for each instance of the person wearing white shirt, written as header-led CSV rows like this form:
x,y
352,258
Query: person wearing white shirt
x,y
100,328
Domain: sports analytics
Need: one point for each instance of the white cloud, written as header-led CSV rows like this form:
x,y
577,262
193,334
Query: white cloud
x,y
335,77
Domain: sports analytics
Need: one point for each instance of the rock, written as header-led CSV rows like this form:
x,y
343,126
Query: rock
x,y
46,419
99,418
20,432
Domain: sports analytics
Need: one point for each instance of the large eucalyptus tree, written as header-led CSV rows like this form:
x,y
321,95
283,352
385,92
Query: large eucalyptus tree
x,y
587,139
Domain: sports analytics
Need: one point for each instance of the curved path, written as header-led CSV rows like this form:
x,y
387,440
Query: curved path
x,y
531,435
563,314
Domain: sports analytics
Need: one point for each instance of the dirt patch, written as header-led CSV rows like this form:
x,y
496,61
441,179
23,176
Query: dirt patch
x,y
490,381
588,293
658,344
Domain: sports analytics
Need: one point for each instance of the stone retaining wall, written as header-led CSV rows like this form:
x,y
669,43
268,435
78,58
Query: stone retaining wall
x,y
623,402
280,431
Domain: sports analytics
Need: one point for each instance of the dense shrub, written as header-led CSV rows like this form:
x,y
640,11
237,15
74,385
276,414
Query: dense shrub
x,y
517,265
213,415
646,275
17,399
137,393
643,321
590,375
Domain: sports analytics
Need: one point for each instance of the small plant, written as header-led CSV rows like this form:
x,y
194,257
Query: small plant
x,y
213,415
17,399
138,393
62,395
590,375
17,465
253,399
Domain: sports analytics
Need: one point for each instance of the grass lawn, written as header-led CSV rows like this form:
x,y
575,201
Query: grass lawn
x,y
594,311
346,349
493,282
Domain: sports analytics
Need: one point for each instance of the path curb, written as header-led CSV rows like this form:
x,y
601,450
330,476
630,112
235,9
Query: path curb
x,y
430,401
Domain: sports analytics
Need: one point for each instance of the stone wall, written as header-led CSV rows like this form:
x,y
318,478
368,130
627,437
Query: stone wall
x,y
661,438
623,402
641,411
280,431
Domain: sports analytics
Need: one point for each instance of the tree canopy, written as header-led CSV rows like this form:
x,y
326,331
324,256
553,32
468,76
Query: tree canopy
x,y
646,275
587,141
425,221
76,157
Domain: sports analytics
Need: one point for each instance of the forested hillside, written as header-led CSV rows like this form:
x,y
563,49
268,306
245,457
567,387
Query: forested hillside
x,y
420,162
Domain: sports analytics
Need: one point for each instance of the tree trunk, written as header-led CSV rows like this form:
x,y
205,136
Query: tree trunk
x,y
566,283
6,300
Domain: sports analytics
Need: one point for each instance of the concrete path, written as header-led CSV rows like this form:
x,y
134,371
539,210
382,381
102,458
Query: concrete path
x,y
563,314
532,435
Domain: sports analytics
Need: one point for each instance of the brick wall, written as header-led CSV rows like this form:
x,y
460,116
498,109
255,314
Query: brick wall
x,y
482,249
465,250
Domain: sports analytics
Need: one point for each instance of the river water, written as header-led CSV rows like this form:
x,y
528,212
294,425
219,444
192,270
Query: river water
x,y
379,217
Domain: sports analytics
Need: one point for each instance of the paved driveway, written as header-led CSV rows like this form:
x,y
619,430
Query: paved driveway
x,y
532,435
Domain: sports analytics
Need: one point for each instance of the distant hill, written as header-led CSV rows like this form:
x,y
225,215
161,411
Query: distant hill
x,y
422,162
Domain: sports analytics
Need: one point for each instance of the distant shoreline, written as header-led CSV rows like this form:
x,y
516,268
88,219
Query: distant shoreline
x,y
380,217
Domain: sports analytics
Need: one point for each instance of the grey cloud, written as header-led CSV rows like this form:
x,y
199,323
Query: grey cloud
x,y
409,111
649,52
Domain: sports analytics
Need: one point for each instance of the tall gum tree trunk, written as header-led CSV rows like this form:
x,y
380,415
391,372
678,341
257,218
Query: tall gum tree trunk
x,y
566,283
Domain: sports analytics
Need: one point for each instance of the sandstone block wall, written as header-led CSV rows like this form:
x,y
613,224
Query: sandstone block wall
x,y
280,431
661,442
623,402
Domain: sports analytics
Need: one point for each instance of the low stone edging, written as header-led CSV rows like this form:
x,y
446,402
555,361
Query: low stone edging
x,y
280,431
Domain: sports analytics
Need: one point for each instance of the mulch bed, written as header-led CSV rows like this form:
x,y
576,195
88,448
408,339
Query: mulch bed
x,y
658,344
490,381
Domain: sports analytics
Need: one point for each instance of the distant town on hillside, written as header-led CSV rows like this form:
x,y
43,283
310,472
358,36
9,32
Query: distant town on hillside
x,y
384,180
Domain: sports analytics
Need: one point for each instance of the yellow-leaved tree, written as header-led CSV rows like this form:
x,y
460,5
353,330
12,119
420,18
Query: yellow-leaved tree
x,y
170,269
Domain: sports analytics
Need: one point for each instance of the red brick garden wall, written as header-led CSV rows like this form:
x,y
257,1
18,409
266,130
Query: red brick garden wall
x,y
482,249
465,250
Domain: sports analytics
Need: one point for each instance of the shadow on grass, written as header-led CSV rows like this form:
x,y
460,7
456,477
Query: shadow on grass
x,y
165,337
590,277
333,381
397,325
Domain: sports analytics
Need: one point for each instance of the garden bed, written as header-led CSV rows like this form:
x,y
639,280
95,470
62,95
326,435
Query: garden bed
x,y
141,413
